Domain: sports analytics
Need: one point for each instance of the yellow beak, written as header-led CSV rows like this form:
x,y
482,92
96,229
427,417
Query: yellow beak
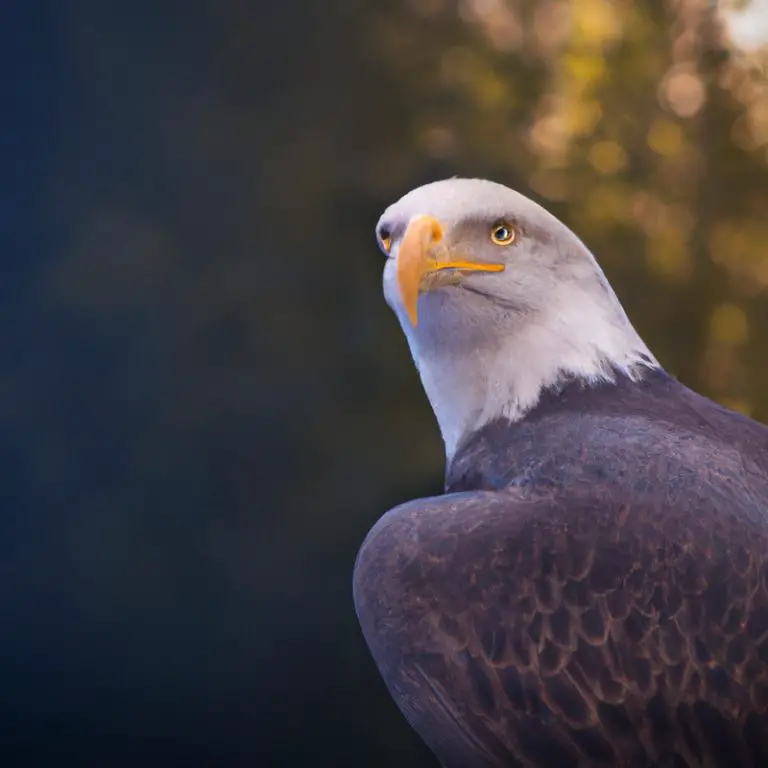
x,y
419,257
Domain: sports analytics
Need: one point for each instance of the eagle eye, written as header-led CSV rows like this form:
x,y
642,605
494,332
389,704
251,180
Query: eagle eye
x,y
385,240
502,233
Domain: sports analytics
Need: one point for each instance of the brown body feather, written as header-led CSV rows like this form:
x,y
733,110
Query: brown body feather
x,y
591,590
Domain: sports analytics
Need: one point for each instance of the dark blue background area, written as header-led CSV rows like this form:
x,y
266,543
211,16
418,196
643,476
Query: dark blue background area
x,y
167,595
28,73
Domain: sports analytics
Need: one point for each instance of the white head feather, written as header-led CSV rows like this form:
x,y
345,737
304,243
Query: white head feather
x,y
488,347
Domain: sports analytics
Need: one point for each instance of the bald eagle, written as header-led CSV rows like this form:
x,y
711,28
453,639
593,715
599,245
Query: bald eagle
x,y
592,588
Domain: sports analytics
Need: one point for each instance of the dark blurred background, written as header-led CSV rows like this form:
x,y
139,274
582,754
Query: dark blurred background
x,y
206,403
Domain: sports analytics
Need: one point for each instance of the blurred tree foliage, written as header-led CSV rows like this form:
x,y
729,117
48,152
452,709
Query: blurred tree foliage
x,y
209,402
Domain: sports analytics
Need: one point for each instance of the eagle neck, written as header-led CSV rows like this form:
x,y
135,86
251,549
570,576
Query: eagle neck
x,y
503,451
473,384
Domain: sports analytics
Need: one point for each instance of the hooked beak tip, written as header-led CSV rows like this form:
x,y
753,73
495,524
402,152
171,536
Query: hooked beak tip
x,y
414,260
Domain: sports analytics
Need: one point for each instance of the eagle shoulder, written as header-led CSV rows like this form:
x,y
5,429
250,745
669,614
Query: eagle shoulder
x,y
568,626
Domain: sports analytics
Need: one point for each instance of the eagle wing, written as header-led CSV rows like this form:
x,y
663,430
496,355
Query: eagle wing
x,y
536,626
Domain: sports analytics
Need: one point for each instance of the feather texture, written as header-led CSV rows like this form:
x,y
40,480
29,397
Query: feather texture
x,y
592,590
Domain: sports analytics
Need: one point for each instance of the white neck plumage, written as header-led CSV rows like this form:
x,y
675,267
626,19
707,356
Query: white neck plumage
x,y
578,335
